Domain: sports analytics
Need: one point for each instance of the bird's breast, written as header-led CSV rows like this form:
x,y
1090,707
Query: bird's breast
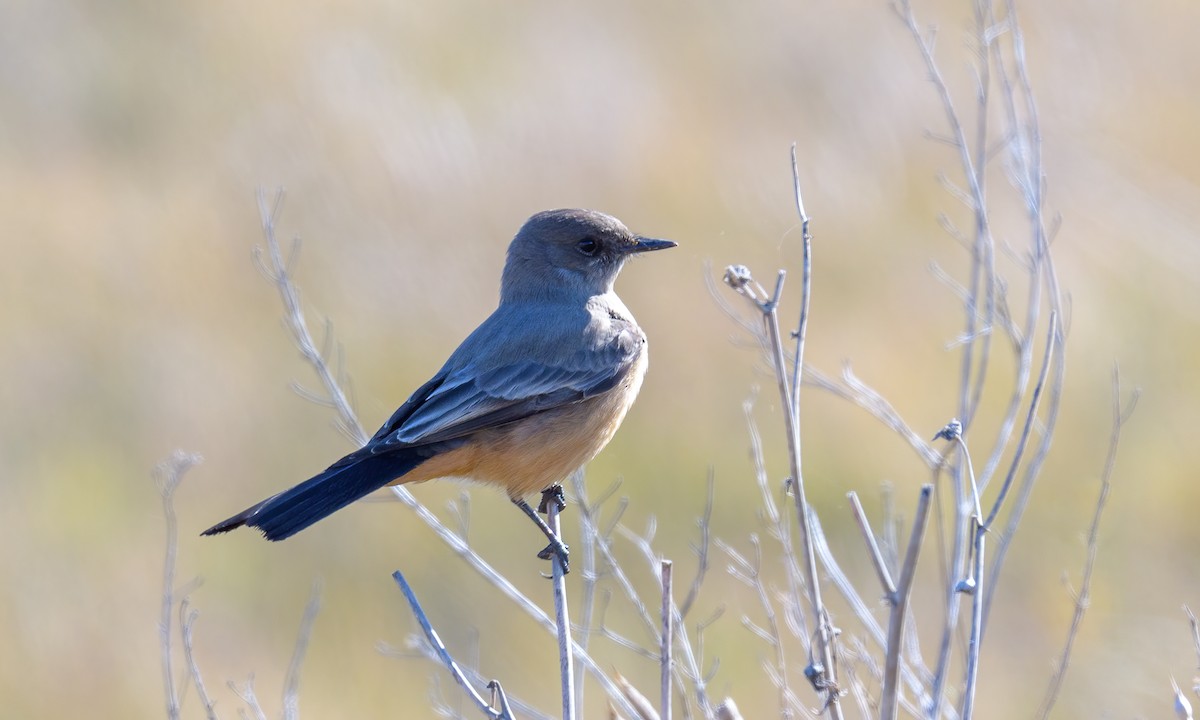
x,y
529,456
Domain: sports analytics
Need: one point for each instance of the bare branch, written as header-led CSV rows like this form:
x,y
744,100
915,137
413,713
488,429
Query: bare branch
x,y
860,516
705,525
867,398
739,279
291,683
889,699
974,585
588,571
246,694
431,635
801,333
1195,631
1083,597
1034,466
1183,708
689,668
750,572
421,648
167,475
1023,441
643,708
778,528
562,619
187,620
863,612
278,273
668,622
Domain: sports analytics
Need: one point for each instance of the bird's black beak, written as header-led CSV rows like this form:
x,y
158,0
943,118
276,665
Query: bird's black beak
x,y
645,244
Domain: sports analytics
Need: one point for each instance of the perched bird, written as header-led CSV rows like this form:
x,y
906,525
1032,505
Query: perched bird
x,y
531,395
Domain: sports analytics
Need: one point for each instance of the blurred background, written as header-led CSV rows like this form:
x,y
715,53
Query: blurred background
x,y
413,139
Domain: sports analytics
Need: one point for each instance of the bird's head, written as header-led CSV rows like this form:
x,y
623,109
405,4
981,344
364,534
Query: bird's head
x,y
570,251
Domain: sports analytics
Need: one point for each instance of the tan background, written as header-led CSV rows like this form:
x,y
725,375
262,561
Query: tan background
x,y
413,138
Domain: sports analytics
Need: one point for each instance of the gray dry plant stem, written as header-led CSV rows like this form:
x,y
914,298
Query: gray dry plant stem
x,y
488,708
821,672
1005,127
168,475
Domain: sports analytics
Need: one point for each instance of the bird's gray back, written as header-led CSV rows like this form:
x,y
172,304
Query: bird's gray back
x,y
526,358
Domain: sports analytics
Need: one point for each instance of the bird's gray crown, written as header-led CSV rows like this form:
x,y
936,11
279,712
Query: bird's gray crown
x,y
569,254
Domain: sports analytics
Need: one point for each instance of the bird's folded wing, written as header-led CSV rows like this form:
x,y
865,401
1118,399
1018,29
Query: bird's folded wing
x,y
520,362
458,402
468,402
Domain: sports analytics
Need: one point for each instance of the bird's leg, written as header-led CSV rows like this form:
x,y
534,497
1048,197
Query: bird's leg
x,y
556,547
553,494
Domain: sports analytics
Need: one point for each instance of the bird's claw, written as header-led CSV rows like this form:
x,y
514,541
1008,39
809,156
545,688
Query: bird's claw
x,y
558,549
554,494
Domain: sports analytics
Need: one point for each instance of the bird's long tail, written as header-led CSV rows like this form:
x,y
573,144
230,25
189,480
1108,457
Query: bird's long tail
x,y
289,512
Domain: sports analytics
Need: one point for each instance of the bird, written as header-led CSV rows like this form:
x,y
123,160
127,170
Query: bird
x,y
531,395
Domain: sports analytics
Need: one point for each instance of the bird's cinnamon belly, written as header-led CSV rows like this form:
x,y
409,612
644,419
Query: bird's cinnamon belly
x,y
529,456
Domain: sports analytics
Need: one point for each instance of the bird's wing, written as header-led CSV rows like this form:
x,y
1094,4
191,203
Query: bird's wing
x,y
510,370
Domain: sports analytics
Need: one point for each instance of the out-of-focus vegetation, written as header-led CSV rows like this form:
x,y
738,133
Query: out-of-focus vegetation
x,y
413,139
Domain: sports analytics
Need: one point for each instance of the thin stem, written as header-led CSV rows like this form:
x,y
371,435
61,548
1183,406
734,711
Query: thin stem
x,y
975,581
436,642
856,391
279,273
885,577
588,572
246,693
702,549
1031,416
805,286
668,622
1195,631
889,699
739,278
426,651
778,527
291,684
828,681
915,683
954,571
167,475
562,619
690,667
751,574
187,619
985,247
973,647
975,198
821,617
1083,597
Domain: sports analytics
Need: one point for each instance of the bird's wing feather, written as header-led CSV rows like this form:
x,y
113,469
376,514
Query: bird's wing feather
x,y
526,373
504,395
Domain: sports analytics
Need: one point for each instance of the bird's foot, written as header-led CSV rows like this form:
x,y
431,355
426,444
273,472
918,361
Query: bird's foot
x,y
558,549
553,494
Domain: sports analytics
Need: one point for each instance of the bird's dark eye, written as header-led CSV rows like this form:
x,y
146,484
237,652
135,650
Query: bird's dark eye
x,y
588,246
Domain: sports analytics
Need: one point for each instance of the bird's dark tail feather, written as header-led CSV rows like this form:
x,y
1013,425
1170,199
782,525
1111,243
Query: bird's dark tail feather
x,y
289,512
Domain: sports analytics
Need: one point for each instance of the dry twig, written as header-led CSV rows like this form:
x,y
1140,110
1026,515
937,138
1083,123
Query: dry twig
x,y
1082,599
167,475
503,712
